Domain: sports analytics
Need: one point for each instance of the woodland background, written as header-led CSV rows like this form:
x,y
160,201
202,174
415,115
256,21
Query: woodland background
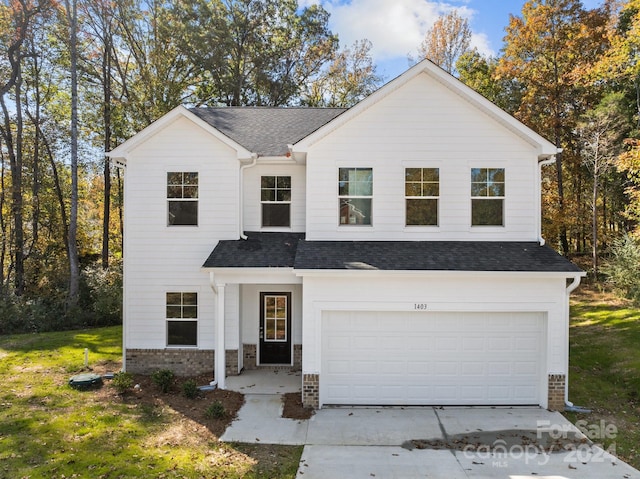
x,y
78,77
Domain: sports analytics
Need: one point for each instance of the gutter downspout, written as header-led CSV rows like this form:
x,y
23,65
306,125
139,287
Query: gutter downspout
x,y
542,163
254,159
121,164
574,284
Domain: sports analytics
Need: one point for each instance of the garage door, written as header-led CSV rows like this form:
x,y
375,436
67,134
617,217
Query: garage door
x,y
421,358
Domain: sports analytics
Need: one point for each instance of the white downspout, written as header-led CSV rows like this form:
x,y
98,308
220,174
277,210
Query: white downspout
x,y
542,163
254,159
121,164
574,284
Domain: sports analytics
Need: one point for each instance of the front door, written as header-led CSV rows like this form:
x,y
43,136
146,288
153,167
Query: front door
x,y
275,328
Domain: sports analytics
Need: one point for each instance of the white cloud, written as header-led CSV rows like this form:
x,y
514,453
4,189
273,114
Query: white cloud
x,y
395,27
482,43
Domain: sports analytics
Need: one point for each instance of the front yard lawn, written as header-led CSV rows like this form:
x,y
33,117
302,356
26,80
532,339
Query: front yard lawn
x,y
50,430
604,372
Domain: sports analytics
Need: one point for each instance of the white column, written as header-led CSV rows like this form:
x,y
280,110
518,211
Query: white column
x,y
221,362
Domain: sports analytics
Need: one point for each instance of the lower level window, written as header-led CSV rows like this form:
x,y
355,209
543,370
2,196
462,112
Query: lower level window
x,y
182,319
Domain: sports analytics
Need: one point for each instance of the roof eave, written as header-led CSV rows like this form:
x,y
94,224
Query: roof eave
x,y
438,273
545,147
122,151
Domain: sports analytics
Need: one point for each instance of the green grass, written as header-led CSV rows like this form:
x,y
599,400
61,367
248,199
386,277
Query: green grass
x,y
604,373
48,429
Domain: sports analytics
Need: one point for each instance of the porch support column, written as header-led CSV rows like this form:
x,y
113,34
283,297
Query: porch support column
x,y
220,364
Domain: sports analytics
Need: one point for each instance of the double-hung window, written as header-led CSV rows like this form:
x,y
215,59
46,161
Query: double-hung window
x,y
487,196
182,319
422,191
275,196
355,194
182,198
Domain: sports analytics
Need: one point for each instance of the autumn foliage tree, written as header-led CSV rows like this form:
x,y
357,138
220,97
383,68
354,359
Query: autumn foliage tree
x,y
447,40
548,50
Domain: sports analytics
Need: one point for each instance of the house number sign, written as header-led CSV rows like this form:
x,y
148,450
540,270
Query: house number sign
x,y
419,306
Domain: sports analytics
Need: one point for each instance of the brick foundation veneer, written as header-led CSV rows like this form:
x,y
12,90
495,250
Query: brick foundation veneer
x,y
183,362
311,390
250,358
557,384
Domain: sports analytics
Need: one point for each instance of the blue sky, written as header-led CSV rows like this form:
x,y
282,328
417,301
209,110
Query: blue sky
x,y
396,27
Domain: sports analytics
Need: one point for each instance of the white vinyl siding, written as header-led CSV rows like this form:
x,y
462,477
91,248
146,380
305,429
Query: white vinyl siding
x,y
423,123
252,196
160,259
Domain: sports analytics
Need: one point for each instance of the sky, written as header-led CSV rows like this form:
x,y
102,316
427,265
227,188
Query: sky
x,y
397,27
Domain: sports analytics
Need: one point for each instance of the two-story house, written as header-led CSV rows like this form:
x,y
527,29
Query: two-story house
x,y
391,251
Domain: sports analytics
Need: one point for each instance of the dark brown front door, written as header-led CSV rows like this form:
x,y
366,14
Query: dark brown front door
x,y
275,328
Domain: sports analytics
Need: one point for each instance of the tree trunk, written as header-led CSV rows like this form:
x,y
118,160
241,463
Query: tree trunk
x,y
594,228
14,151
106,89
74,263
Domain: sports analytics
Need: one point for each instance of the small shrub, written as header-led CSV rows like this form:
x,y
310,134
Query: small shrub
x,y
163,379
215,410
122,381
190,389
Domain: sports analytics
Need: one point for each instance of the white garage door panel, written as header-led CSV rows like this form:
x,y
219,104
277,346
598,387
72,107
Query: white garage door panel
x,y
431,358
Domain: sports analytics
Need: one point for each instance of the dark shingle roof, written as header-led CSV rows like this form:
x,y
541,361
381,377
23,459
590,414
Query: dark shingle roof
x,y
287,250
259,250
431,256
267,131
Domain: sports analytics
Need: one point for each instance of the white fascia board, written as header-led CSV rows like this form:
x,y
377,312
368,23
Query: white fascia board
x,y
434,273
123,150
545,147
254,275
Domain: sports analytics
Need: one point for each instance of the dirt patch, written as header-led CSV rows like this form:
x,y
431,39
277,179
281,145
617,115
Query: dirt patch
x,y
293,408
503,441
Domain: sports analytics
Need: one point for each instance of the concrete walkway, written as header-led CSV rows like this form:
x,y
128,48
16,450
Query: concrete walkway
x,y
380,442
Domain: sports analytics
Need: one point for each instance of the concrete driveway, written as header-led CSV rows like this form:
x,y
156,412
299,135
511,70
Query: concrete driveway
x,y
427,442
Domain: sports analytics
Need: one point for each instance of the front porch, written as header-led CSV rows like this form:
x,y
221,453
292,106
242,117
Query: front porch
x,y
265,381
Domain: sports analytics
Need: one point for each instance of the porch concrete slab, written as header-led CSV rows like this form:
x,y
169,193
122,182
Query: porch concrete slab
x,y
259,421
379,462
379,426
265,381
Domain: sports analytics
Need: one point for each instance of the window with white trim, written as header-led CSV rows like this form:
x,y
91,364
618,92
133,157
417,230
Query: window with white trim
x,y
355,195
182,198
275,196
182,319
422,192
487,196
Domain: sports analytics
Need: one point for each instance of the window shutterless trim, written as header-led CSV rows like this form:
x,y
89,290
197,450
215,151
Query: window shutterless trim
x,y
343,199
424,185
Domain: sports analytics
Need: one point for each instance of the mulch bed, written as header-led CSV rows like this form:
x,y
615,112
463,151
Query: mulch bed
x,y
147,395
293,408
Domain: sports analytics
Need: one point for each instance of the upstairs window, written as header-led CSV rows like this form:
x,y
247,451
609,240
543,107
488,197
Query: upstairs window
x,y
422,191
487,196
182,198
355,193
182,319
275,196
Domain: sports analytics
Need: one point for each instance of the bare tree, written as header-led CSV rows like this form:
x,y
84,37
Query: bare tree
x,y
74,262
446,41
600,132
